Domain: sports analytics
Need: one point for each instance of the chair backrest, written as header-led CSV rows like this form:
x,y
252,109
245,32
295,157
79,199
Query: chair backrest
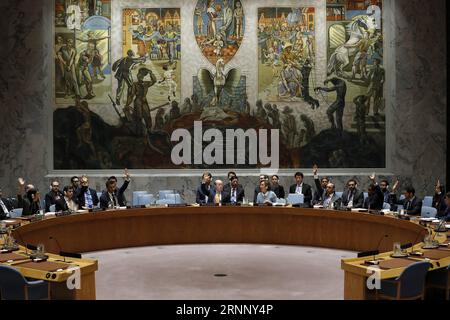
x,y
12,284
173,196
386,206
339,194
136,195
145,199
53,208
15,213
162,194
281,201
428,201
402,197
296,198
412,279
165,201
428,212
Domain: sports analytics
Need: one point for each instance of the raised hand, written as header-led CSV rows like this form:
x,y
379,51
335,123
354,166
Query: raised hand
x,y
315,169
21,182
396,184
438,186
126,174
372,177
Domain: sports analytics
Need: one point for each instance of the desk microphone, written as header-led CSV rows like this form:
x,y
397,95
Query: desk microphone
x,y
378,247
26,244
59,246
65,254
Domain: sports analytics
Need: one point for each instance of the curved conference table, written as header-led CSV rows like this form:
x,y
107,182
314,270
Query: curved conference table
x,y
104,230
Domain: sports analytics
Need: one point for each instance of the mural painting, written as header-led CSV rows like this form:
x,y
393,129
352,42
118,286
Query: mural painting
x,y
336,123
82,49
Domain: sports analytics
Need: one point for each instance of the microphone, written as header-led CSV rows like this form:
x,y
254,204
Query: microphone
x,y
378,247
27,245
373,253
65,254
59,247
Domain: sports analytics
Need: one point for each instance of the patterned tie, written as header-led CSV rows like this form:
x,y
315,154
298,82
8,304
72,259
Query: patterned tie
x,y
88,199
217,199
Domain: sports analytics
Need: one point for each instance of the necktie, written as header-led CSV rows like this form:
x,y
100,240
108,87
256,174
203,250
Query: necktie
x,y
217,199
233,195
5,209
88,199
350,196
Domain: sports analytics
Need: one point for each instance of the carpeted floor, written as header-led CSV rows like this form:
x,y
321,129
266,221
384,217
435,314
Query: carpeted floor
x,y
225,272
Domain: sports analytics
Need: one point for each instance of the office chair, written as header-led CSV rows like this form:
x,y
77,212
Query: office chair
x,y
13,286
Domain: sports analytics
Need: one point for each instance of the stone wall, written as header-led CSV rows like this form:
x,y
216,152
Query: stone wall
x,y
416,116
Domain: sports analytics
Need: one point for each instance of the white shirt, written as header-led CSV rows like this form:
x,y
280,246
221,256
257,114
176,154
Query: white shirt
x,y
5,209
233,194
71,204
299,189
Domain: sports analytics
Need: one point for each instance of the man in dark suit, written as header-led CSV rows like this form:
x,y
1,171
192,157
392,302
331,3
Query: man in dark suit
x,y
204,190
53,196
217,196
352,197
439,199
302,188
120,192
411,204
86,197
375,196
112,197
321,185
5,206
446,213
277,188
236,191
227,187
68,202
331,200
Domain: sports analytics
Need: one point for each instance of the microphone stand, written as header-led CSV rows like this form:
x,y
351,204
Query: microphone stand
x,y
378,247
59,246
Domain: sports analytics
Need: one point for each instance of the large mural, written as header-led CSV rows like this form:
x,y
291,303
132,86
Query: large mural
x,y
128,111
82,51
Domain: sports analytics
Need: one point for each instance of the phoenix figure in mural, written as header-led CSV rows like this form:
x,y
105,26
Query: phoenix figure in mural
x,y
218,81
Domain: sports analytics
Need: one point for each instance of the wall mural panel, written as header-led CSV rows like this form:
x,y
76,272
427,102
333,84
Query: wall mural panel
x,y
82,51
123,111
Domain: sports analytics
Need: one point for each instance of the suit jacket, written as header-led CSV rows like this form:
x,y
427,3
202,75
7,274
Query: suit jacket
x,y
227,187
240,194
279,191
336,200
61,204
29,208
413,207
51,198
203,193
439,204
306,191
8,205
80,197
376,200
358,198
119,193
225,197
318,195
